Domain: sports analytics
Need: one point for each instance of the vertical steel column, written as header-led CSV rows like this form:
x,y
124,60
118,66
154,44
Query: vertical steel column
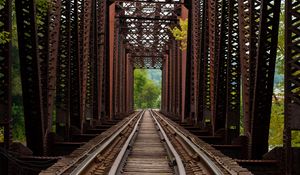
x,y
175,91
191,106
291,95
232,127
171,75
249,26
127,84
292,103
124,85
102,61
221,64
167,82
264,77
91,69
5,71
163,88
30,75
211,25
170,84
43,47
75,80
177,80
94,59
204,97
195,55
116,64
53,43
200,71
86,27
110,64
63,72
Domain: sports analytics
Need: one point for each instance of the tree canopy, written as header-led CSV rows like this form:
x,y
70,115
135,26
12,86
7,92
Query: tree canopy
x,y
146,90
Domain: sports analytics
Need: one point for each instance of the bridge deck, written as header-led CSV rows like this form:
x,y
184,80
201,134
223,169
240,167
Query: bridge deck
x,y
148,155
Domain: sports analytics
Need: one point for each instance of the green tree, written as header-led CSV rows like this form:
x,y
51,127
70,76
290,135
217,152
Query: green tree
x,y
146,91
150,95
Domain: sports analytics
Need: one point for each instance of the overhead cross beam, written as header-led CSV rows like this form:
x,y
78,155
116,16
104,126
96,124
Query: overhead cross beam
x,y
145,29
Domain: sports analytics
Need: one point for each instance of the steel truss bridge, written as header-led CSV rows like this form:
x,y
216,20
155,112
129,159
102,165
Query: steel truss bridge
x,y
78,57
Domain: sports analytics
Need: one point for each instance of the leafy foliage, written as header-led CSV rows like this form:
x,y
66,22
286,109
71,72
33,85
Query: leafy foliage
x,y
1,134
180,33
276,126
4,37
146,91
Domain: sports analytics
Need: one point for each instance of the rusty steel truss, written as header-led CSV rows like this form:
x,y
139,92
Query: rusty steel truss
x,y
78,58
144,26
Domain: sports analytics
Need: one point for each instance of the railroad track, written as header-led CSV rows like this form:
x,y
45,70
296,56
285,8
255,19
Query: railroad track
x,y
150,152
149,143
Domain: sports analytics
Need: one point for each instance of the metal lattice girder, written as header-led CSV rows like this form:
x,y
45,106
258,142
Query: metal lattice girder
x,y
103,64
5,73
145,36
227,69
233,74
203,66
147,10
292,98
212,23
30,75
75,95
145,26
205,57
220,64
265,68
115,76
53,43
249,16
63,72
193,101
145,62
101,54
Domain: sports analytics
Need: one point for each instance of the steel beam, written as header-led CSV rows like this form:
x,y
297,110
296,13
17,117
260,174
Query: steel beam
x,y
30,75
63,73
291,94
233,75
75,95
265,68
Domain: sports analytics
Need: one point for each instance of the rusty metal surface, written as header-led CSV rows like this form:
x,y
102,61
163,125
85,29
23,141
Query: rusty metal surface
x,y
74,81
53,43
264,77
291,108
63,72
30,75
249,27
68,62
233,74
144,26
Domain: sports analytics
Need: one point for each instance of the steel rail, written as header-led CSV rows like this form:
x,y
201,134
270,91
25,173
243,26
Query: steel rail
x,y
91,156
210,164
116,165
180,166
